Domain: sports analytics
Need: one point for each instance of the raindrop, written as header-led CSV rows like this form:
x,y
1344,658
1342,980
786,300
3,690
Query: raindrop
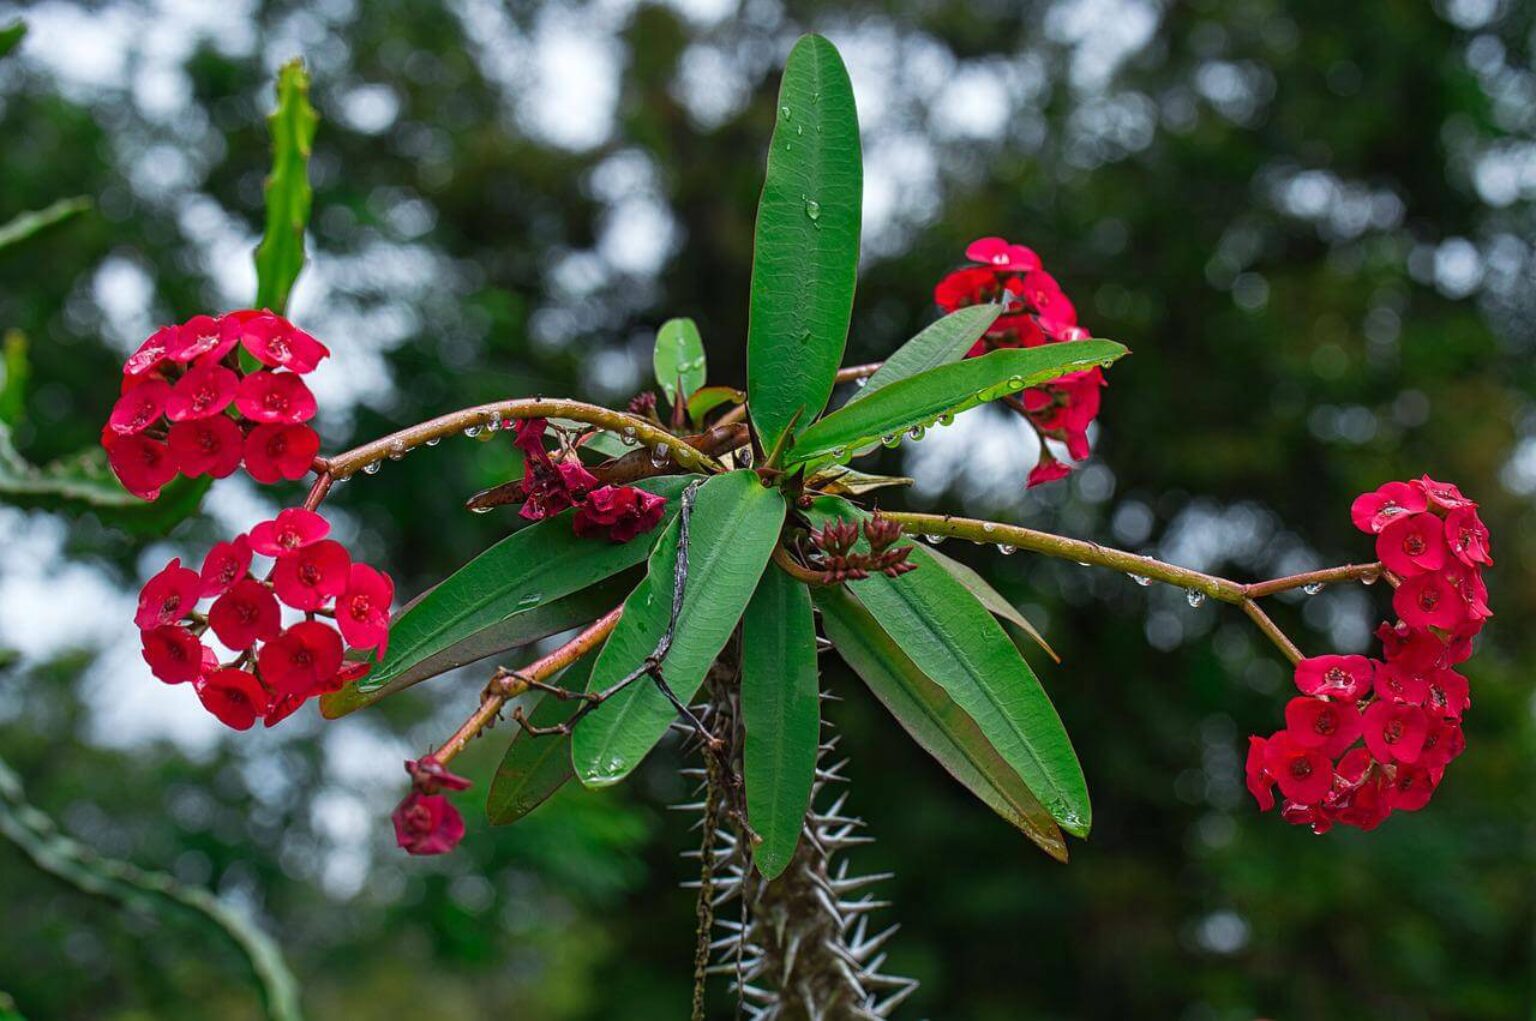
x,y
1313,589
987,526
495,422
890,440
916,432
627,437
1141,580
839,453
799,130
1194,597
434,441
372,467
1005,548
531,599
1015,382
472,431
659,455
784,112
479,510
744,457
861,382
1371,578
934,538
946,419
813,209
397,450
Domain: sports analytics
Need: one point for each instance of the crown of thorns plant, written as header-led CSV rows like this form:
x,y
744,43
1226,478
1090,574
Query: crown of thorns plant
x,y
692,540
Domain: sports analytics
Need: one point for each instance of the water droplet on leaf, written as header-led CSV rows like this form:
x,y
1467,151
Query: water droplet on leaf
x,y
1194,597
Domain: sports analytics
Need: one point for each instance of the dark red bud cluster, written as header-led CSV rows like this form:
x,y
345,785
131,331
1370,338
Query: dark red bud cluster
x,y
839,561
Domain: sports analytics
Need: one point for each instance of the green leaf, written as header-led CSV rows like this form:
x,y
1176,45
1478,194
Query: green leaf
x,y
29,225
840,480
955,640
947,390
14,372
280,256
992,599
512,632
679,359
535,767
940,343
933,719
781,711
806,249
733,528
11,36
711,397
528,569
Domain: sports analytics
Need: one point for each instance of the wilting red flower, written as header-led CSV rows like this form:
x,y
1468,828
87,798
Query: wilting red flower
x,y
207,446
198,336
429,776
225,564
234,696
1428,600
1315,723
275,397
274,452
1371,512
1395,733
620,512
1341,677
205,390
246,614
1304,774
173,653
362,610
1412,544
139,408
168,596
427,824
1001,255
309,576
301,661
141,464
292,529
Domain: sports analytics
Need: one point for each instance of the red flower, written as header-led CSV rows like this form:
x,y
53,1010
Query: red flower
x,y
207,446
307,577
1448,694
140,407
1304,774
1043,292
274,452
292,529
1341,677
173,653
275,342
224,565
1412,544
1260,784
244,615
141,464
1444,495
205,390
1469,585
1366,804
1395,733
198,336
971,286
234,696
362,611
1411,788
1047,469
1443,741
1371,512
275,397
168,596
1396,683
427,824
1315,723
623,512
1000,255
1428,600
1414,649
149,357
301,661
1467,537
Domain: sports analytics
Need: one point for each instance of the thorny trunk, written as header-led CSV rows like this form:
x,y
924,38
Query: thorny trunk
x,y
799,948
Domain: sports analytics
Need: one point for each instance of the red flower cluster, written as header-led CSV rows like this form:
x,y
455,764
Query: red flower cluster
x,y
187,406
1037,313
1407,707
426,821
550,486
276,668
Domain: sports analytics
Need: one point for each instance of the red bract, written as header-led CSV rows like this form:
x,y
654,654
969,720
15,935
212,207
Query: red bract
x,y
224,565
1396,683
205,390
1428,600
1000,254
427,824
301,661
1260,784
1395,733
148,358
173,653
235,697
308,577
168,596
274,452
1047,469
244,615
1316,723
198,336
620,512
142,465
1341,677
139,408
1412,544
292,529
275,342
275,397
1304,774
207,446
362,610
1467,537
1371,512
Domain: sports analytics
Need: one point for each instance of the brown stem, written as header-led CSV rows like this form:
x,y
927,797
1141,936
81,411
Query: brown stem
x,y
1272,631
1347,572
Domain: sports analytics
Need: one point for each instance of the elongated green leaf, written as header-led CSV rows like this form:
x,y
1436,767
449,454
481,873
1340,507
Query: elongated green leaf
x,y
31,224
956,641
535,767
14,372
946,390
933,719
513,632
992,599
280,256
733,529
781,710
711,397
11,36
806,250
528,569
679,359
940,343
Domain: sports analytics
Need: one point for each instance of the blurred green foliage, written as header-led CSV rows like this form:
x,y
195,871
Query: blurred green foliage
x,y
1293,214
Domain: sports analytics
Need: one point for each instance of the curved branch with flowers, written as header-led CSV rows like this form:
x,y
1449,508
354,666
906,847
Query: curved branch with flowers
x,y
687,552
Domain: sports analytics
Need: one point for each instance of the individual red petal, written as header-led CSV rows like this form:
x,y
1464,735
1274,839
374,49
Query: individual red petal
x,y
1396,683
246,614
1412,544
1447,694
225,564
1047,469
427,824
1315,723
1395,733
168,597
173,653
1469,585
1260,784
275,397
196,337
204,391
1304,774
1367,805
1428,600
274,452
1373,511
1001,255
1467,537
307,578
1443,741
139,408
207,446
970,286
235,697
1044,294
276,343
149,357
1444,495
141,464
362,610
302,660
1411,788
292,529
